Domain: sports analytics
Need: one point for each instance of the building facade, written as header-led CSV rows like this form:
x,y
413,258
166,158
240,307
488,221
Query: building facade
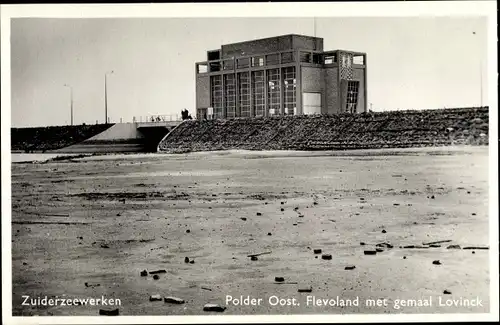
x,y
283,75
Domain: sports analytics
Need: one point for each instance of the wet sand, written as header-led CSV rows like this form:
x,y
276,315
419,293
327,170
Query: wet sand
x,y
102,220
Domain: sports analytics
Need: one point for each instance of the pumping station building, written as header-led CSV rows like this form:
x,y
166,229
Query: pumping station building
x,y
282,75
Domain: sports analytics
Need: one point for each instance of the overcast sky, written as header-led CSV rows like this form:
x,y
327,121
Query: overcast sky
x,y
413,63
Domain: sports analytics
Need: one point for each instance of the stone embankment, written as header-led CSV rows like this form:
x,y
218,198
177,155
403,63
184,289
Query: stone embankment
x,y
52,137
394,129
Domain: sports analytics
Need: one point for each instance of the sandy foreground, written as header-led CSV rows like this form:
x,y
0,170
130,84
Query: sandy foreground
x,y
103,220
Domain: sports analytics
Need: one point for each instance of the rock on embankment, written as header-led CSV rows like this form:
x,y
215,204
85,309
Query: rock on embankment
x,y
396,129
52,137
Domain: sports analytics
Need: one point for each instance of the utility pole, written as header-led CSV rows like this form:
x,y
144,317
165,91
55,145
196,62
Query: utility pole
x,y
106,96
71,100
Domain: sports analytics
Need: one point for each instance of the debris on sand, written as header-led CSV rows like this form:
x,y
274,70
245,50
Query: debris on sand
x,y
258,254
243,218
89,285
156,277
476,247
326,257
279,279
158,271
144,273
362,243
259,214
214,307
379,250
309,289
205,288
370,252
317,251
352,267
446,292
155,298
191,262
434,246
104,246
384,244
112,312
437,242
436,262
174,300
254,258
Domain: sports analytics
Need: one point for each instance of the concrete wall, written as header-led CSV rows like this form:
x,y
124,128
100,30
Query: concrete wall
x,y
120,131
332,99
202,91
359,74
312,81
272,44
309,43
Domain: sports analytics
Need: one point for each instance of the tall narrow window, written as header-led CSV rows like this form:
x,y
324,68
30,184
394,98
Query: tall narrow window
x,y
258,92
244,93
216,100
230,95
289,90
352,96
273,91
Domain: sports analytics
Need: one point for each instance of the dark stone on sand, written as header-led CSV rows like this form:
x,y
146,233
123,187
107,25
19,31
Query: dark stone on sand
x,y
379,250
174,300
395,204
326,257
476,247
188,231
158,272
156,277
317,251
282,202
282,209
104,246
244,219
352,267
191,262
434,246
155,298
108,312
279,279
362,244
384,231
24,263
254,258
436,262
269,234
144,273
305,289
473,214
294,224
214,307
432,197
386,245
404,257
186,259
446,292
315,203
370,252
259,214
